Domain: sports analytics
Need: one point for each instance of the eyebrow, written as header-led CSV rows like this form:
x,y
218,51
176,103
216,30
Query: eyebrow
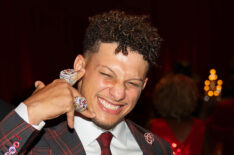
x,y
115,74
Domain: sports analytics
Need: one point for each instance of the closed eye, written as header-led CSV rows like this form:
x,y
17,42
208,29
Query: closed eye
x,y
134,84
105,74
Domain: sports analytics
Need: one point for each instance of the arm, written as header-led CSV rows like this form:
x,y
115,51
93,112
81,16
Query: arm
x,y
47,102
15,133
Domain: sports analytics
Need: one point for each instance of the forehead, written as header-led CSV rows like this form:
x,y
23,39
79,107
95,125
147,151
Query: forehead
x,y
132,63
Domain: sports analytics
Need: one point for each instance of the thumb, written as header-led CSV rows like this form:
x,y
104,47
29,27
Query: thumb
x,y
39,85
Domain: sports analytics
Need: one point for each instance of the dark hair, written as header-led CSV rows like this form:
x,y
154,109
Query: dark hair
x,y
175,96
130,31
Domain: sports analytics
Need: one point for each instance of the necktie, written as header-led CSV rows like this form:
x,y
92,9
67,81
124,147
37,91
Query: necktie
x,y
104,141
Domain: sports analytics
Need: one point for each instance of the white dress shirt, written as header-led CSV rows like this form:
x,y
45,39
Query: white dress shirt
x,y
122,142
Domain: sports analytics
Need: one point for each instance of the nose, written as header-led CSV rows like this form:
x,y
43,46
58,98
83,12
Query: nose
x,y
118,92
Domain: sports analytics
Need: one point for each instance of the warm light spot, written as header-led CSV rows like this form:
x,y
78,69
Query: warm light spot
x,y
220,82
211,77
178,150
216,93
206,88
218,87
174,145
207,82
212,71
215,77
210,93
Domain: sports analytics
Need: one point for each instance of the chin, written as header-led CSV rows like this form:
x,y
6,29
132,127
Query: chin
x,y
104,125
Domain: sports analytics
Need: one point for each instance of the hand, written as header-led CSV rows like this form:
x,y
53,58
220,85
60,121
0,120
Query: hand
x,y
53,100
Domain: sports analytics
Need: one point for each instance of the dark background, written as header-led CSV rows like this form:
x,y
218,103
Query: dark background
x,y
40,38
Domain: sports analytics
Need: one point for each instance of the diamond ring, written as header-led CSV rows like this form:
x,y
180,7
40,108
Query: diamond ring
x,y
80,104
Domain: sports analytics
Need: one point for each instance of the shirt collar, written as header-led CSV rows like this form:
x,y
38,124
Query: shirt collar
x,y
88,131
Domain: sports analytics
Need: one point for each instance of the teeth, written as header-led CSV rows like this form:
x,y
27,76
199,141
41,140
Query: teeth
x,y
107,105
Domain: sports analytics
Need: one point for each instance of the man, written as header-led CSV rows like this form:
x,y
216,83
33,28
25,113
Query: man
x,y
118,52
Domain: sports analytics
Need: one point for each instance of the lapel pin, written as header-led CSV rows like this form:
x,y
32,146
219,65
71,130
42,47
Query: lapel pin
x,y
149,137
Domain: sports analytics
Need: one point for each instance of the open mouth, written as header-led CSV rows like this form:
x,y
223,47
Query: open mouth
x,y
108,107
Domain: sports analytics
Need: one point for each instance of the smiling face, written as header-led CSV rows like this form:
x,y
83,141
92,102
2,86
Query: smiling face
x,y
112,83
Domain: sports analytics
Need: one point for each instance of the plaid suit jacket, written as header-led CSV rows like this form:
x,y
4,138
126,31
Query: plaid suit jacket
x,y
19,137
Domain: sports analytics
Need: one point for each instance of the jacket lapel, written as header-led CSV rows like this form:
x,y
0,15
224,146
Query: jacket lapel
x,y
64,140
138,134
149,143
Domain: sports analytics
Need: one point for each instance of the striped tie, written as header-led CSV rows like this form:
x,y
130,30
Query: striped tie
x,y
104,141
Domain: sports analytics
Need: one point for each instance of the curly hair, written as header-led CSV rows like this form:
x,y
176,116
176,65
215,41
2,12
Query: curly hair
x,y
175,96
130,31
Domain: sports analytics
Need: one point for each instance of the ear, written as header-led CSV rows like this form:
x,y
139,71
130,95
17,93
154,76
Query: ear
x,y
79,63
145,82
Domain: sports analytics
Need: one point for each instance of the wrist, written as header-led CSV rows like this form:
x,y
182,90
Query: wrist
x,y
32,110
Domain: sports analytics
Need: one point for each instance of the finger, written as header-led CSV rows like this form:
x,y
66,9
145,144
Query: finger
x,y
39,85
70,119
87,112
59,81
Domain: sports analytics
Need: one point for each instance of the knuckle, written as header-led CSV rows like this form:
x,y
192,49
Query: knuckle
x,y
59,81
63,87
55,81
69,107
68,102
64,84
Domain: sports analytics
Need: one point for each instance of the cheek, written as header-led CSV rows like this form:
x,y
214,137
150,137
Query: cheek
x,y
133,96
105,83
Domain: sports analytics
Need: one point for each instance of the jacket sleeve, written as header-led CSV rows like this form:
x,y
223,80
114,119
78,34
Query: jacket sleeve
x,y
15,134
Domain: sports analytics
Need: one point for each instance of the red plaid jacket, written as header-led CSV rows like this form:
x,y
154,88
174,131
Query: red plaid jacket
x,y
19,137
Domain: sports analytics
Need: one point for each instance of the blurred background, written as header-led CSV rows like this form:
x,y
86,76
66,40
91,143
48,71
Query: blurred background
x,y
40,38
